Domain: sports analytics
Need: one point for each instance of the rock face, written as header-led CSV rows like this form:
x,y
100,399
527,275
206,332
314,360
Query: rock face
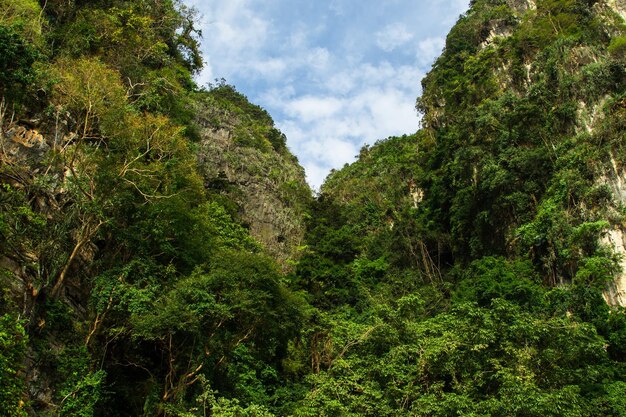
x,y
242,156
522,5
615,239
619,6
523,117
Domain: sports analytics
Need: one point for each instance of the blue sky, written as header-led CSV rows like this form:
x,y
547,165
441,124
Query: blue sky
x,y
333,74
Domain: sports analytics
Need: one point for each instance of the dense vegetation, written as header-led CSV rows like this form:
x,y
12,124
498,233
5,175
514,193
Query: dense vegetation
x,y
129,288
460,270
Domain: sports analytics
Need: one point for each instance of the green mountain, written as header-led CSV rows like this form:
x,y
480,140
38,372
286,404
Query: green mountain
x,y
244,157
161,254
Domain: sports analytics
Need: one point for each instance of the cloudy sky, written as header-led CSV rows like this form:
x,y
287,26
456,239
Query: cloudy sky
x,y
334,74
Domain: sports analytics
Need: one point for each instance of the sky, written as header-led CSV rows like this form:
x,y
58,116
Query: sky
x,y
333,74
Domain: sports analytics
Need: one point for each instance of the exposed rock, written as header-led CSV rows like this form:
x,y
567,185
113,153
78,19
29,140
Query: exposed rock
x,y
20,144
267,184
13,277
615,179
615,239
498,29
612,13
615,293
618,6
521,6
416,193
589,116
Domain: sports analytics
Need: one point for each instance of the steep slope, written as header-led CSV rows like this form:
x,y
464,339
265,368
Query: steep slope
x,y
465,270
133,280
460,270
524,118
244,157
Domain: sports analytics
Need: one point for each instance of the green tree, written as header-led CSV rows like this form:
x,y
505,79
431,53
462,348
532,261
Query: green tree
x,y
13,345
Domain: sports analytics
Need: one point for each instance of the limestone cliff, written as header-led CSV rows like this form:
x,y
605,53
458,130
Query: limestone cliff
x,y
521,154
243,156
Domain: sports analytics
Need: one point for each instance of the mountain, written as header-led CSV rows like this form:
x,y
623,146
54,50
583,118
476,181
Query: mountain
x,y
520,155
145,228
244,157
459,269
161,254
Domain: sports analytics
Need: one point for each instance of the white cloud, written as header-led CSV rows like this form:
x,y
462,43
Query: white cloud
x,y
348,108
273,68
338,7
308,109
315,174
331,82
392,37
335,151
428,49
238,28
327,130
298,39
231,31
318,58
321,153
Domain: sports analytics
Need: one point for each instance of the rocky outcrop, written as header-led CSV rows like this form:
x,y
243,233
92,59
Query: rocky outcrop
x,y
618,6
615,293
237,159
615,239
521,6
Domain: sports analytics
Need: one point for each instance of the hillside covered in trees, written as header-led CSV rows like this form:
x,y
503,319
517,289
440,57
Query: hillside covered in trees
x,y
161,254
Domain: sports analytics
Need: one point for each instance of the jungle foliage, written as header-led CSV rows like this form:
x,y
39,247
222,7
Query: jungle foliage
x,y
460,270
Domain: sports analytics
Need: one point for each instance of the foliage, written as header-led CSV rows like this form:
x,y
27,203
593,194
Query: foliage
x,y
23,16
255,128
617,48
216,321
17,218
492,361
82,398
120,216
460,270
499,207
13,342
17,57
92,93
490,278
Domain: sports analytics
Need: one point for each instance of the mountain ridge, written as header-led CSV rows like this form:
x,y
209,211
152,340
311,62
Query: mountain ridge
x,y
162,255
